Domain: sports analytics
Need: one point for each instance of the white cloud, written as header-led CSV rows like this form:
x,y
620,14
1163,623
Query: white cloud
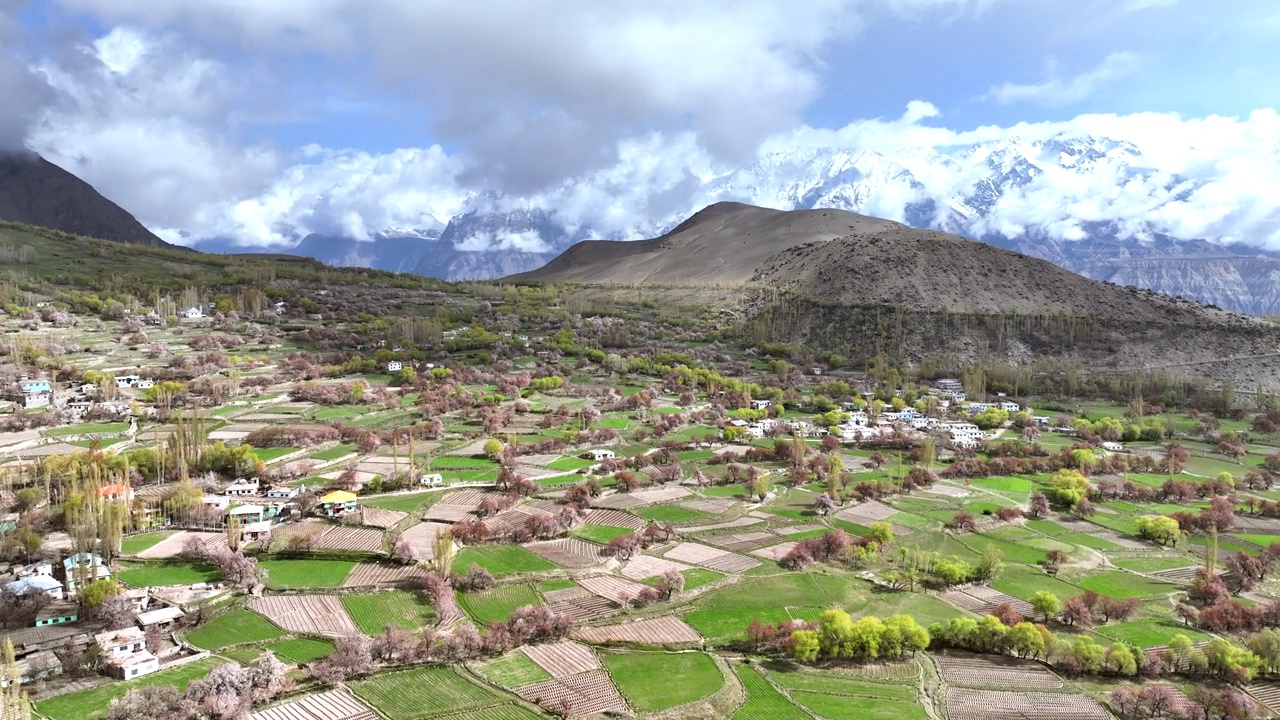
x,y
1057,91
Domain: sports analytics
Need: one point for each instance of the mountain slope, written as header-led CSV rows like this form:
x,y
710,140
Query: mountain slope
x,y
34,191
840,257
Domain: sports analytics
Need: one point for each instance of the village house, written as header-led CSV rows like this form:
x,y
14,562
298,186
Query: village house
x,y
431,480
125,653
247,514
761,404
161,617
601,455
338,502
84,572
242,488
395,366
220,502
1010,407
116,493
36,666
195,312
145,384
36,393
58,612
1041,420
1112,446
34,584
283,492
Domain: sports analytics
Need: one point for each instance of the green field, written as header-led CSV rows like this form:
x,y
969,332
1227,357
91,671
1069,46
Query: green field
x,y
135,544
372,611
87,429
423,692
497,603
1007,484
600,533
645,678
234,628
569,464
670,513
93,703
500,560
695,578
299,651
266,455
763,700
335,452
293,574
404,503
837,684
158,574
341,412
839,707
553,585
1149,632
1119,584
513,670
1023,582
1154,564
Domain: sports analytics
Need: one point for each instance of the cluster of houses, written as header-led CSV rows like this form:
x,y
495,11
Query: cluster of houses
x,y
124,652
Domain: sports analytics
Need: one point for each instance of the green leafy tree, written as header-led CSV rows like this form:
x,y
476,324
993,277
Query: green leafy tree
x,y
1068,487
1046,603
805,646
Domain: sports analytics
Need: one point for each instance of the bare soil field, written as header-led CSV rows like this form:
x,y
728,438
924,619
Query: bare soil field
x,y
653,631
714,506
775,552
612,588
743,542
509,521
568,552
359,539
966,670
964,704
328,705
614,518
1267,693
647,566
380,518
866,513
711,558
583,694
456,505
563,659
371,574
307,614
735,523
421,536
982,600
172,545
580,605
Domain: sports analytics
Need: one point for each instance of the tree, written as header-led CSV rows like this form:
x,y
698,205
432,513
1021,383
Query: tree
x,y
990,563
1046,603
351,657
1075,611
1039,505
671,583
443,548
96,593
823,504
758,485
1266,645
13,700
804,646
1068,487
1025,640
1160,529
493,448
881,532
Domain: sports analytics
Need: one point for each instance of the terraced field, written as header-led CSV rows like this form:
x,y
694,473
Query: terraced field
x,y
424,692
497,603
763,700
372,611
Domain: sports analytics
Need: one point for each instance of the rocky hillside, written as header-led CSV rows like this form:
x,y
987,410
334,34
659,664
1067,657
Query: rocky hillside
x,y
34,191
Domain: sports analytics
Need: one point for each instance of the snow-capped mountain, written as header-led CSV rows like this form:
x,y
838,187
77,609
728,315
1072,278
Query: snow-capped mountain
x,y
1093,205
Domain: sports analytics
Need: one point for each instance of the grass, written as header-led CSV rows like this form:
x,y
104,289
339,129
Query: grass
x,y
158,574
1149,632
1259,540
1119,584
87,429
347,412
497,603
135,544
235,628
501,560
763,700
1024,582
266,455
423,692
569,464
334,453
286,574
697,577
670,513
836,684
403,503
513,670
93,703
1007,484
300,651
837,707
601,533
372,611
553,585
1154,564
646,678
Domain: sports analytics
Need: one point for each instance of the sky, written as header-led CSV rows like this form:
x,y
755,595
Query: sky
x,y
261,121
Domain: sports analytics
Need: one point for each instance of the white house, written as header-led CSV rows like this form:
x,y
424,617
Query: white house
x,y
163,617
241,488
1112,446
977,407
431,480
602,455
1010,407
394,366
125,652
283,493
194,312
127,381
145,383
1042,420
35,584
760,404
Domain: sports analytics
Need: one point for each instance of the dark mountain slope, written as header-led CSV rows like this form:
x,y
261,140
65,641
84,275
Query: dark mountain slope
x,y
34,191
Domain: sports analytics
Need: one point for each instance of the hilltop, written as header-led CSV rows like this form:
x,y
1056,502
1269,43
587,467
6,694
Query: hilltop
x,y
34,191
